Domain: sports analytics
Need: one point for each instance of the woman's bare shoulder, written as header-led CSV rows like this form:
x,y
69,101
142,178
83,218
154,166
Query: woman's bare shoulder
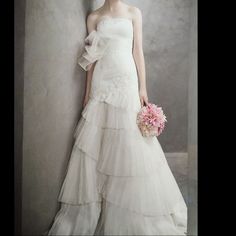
x,y
93,18
94,15
135,10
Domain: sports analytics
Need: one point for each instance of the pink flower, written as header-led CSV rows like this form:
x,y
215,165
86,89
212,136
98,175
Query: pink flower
x,y
151,120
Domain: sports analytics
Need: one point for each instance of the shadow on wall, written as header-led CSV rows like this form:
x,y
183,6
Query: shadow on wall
x,y
19,31
85,7
52,95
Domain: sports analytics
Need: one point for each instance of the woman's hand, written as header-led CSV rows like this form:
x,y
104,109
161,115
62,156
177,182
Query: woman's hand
x,y
143,97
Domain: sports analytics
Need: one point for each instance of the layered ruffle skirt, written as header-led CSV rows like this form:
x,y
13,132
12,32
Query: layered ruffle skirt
x,y
117,181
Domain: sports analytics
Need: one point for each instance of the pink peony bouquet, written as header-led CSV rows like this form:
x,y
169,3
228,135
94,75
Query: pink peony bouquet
x,y
151,120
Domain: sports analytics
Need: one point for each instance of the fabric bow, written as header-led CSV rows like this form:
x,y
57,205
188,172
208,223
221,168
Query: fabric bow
x,y
95,46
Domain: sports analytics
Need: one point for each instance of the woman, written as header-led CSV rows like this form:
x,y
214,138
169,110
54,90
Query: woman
x,y
118,182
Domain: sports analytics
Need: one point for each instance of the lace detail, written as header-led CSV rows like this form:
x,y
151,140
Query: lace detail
x,y
117,85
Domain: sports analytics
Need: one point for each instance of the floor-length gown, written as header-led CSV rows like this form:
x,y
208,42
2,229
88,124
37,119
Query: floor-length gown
x,y
117,182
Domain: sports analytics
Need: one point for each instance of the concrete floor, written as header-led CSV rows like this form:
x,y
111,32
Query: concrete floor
x,y
178,163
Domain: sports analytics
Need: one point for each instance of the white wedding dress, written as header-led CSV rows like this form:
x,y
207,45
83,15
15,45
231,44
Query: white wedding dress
x,y
118,182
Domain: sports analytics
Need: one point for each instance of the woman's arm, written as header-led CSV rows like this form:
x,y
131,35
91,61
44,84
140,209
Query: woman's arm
x,y
138,55
91,25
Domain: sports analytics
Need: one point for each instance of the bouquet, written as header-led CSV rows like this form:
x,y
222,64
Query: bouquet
x,y
151,120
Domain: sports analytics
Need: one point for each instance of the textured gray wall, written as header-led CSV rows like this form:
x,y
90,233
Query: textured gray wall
x,y
166,37
53,93
192,127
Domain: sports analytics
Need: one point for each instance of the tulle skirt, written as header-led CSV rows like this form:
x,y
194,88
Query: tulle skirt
x,y
118,182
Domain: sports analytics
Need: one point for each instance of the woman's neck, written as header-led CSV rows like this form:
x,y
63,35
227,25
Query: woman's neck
x,y
112,5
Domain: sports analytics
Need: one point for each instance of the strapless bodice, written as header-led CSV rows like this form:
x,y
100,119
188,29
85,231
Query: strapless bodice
x,y
112,35
119,31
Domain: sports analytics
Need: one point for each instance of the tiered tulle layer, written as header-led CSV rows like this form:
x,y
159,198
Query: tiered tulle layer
x,y
117,182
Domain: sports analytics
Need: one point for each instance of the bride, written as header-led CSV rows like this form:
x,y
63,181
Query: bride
x,y
117,182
